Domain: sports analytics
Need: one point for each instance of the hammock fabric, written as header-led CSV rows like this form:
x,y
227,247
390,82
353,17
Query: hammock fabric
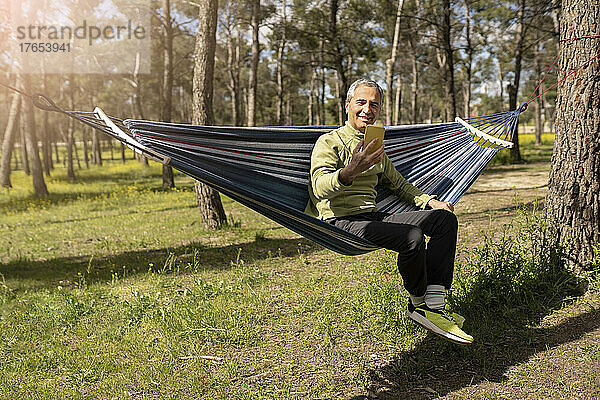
x,y
267,169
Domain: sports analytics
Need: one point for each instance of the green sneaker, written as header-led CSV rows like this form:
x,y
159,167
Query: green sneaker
x,y
459,319
440,322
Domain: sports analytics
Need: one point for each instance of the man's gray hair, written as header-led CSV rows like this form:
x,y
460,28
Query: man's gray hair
x,y
365,82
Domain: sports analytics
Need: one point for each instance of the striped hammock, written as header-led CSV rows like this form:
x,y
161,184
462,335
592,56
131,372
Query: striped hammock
x,y
267,168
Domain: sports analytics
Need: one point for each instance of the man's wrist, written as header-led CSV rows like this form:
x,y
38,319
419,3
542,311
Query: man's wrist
x,y
346,176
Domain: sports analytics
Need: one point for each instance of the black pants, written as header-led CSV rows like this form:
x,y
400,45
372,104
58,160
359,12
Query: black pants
x,y
419,264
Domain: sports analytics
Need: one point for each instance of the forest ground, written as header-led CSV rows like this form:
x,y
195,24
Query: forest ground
x,y
110,288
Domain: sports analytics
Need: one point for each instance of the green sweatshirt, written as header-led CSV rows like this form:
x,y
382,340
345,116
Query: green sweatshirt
x,y
330,198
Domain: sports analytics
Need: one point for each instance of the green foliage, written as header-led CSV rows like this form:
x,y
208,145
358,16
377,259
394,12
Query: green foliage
x,y
515,275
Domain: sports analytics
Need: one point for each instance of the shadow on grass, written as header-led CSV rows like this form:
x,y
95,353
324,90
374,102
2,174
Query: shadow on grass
x,y
505,336
48,274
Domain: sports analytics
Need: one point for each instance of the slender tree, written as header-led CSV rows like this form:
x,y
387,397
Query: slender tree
x,y
167,84
513,89
389,66
37,173
573,201
253,73
209,201
9,139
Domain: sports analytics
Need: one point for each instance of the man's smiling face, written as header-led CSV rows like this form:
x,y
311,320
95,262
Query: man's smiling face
x,y
363,108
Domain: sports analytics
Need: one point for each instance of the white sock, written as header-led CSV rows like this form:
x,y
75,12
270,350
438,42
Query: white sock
x,y
416,300
435,297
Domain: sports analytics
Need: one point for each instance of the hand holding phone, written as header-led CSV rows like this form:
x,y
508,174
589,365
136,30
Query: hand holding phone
x,y
373,132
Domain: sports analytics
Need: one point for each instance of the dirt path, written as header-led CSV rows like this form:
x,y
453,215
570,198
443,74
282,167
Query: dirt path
x,y
498,192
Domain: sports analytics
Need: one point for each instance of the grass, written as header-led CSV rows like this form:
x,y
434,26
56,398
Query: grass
x,y
529,151
110,288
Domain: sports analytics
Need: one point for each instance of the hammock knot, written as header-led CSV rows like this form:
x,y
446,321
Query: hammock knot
x,y
522,107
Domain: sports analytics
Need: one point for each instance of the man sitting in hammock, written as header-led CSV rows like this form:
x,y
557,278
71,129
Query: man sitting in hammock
x,y
342,192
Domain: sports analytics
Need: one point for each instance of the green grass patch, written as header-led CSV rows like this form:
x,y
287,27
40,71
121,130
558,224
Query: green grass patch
x,y
111,288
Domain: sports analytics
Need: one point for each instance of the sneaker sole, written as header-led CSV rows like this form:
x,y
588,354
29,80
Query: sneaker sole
x,y
425,323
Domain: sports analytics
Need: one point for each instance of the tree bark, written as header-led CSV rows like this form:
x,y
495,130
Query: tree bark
x,y
574,186
537,105
46,150
398,101
37,172
389,66
469,60
208,199
449,56
10,131
414,86
513,91
280,51
70,129
167,87
253,73
338,56
234,78
24,152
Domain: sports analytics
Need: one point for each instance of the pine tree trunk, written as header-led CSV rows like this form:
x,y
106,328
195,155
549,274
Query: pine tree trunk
x,y
398,101
253,73
574,187
167,106
8,141
311,90
46,151
469,61
24,152
208,199
280,51
37,172
389,66
449,71
338,56
513,91
70,129
537,105
414,87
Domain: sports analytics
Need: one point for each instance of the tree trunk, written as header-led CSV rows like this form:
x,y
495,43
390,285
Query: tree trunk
x,y
513,91
234,84
24,152
37,172
208,199
70,129
280,51
449,71
574,186
46,150
253,73
389,66
414,86
537,105
311,90
9,139
398,101
338,56
167,88
321,91
338,91
469,60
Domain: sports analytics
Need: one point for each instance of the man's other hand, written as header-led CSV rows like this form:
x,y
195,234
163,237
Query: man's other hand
x,y
441,205
362,160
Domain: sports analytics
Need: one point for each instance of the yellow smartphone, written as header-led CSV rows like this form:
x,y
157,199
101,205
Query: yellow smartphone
x,y
373,132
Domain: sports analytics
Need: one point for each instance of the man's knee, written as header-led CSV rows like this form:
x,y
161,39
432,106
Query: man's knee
x,y
448,219
415,239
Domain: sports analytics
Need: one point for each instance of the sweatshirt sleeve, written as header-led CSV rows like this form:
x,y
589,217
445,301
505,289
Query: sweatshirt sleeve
x,y
325,166
401,187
